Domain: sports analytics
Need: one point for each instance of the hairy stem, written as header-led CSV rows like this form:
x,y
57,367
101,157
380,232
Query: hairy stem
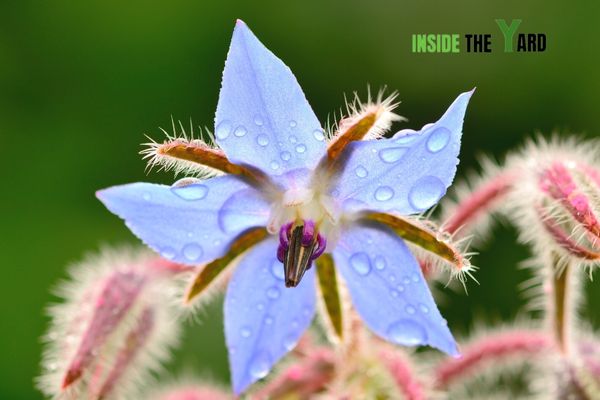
x,y
561,307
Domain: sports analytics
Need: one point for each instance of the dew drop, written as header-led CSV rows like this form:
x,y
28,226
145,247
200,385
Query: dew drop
x,y
394,293
223,130
361,171
410,309
407,332
262,140
274,165
290,342
405,136
415,278
246,332
426,192
277,270
438,139
260,307
392,278
258,120
392,154
192,251
384,193
194,191
361,263
293,139
285,155
147,196
268,320
260,365
240,131
380,262
273,293
293,124
168,253
423,308
406,280
400,288
300,148
319,135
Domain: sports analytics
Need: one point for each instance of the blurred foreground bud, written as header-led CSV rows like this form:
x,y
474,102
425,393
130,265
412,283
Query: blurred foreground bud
x,y
113,327
189,391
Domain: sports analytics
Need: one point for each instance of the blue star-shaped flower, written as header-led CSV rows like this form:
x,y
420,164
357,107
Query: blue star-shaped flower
x,y
311,194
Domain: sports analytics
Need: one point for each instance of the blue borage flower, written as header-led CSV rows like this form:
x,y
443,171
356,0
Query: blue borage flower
x,y
292,196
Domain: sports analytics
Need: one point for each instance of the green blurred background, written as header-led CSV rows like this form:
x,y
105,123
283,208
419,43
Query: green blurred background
x,y
80,83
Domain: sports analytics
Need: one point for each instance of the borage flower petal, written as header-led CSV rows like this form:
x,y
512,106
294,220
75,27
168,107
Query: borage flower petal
x,y
388,288
263,118
407,173
263,319
192,223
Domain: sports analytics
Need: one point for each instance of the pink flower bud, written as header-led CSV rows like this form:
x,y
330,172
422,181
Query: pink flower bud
x,y
113,325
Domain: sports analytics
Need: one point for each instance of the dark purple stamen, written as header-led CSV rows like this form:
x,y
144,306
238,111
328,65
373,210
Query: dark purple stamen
x,y
299,246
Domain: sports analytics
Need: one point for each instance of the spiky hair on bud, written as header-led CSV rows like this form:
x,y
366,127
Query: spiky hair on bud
x,y
380,110
556,202
179,150
112,328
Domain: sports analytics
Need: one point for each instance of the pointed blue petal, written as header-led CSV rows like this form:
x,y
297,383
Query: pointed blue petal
x,y
191,224
407,173
263,318
263,118
388,289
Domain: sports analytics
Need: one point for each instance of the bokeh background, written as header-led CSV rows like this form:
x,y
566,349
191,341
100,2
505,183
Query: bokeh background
x,y
81,82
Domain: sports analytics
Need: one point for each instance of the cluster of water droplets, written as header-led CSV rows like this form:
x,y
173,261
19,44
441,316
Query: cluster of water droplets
x,y
294,147
407,330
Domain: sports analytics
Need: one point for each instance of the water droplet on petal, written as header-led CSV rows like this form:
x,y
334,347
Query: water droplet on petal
x,y
285,155
394,293
194,191
240,131
146,196
260,307
273,293
293,124
300,148
258,120
246,332
192,251
361,171
262,140
268,320
384,193
168,253
274,165
290,342
293,139
424,309
277,270
393,154
426,192
407,332
415,278
438,139
406,280
405,136
361,263
380,262
223,130
392,278
410,309
400,288
260,365
319,135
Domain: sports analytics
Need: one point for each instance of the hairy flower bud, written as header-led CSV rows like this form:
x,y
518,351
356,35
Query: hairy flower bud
x,y
113,327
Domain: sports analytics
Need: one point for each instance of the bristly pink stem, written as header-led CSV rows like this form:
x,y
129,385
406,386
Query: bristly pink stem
x,y
119,292
558,183
304,379
482,200
491,349
194,393
403,374
134,341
